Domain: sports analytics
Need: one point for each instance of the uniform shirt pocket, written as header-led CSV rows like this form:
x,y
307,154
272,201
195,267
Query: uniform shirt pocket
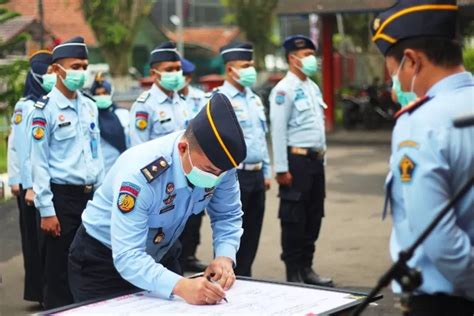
x,y
242,117
166,122
303,111
64,132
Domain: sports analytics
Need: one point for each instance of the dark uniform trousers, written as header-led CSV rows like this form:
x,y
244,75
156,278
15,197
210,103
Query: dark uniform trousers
x,y
31,244
190,237
69,202
252,196
92,274
301,210
440,305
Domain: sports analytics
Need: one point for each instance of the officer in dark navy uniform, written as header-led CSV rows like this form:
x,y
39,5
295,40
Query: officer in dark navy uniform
x,y
431,160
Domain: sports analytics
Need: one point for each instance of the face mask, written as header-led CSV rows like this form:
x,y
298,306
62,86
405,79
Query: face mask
x,y
74,80
202,179
309,65
182,83
103,101
404,98
49,81
39,80
247,76
170,80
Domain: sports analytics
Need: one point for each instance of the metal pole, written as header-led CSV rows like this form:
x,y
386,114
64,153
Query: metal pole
x,y
179,27
41,22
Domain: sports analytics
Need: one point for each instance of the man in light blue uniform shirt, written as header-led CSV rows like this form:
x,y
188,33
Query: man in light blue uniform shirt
x,y
254,172
147,197
113,122
66,162
430,158
191,236
299,146
19,173
160,110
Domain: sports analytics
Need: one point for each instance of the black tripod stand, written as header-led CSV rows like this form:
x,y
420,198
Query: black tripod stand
x,y
409,278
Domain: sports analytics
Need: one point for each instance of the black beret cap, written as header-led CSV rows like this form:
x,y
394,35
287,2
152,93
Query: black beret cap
x,y
297,42
40,61
237,51
165,52
73,48
414,18
219,134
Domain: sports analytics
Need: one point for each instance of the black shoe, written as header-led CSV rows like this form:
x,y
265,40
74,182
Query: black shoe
x,y
311,277
192,264
293,274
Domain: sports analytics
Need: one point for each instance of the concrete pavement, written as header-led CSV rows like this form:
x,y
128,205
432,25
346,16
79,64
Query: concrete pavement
x,y
352,249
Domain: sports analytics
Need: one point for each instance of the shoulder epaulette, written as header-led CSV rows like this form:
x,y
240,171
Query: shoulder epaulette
x,y
41,103
410,108
87,95
23,99
155,169
143,97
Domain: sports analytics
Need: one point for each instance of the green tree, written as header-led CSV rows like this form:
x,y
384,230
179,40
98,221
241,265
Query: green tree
x,y
12,73
255,18
115,24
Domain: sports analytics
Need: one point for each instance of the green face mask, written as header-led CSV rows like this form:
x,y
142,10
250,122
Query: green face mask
x,y
202,179
182,83
74,80
247,76
403,98
103,101
49,80
170,80
309,65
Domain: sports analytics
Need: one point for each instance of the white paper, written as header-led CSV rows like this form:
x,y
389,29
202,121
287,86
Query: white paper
x,y
245,297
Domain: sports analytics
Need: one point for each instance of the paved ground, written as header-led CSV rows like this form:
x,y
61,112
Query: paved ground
x,y
353,244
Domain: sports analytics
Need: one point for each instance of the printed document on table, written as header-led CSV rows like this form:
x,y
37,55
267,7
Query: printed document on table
x,y
245,297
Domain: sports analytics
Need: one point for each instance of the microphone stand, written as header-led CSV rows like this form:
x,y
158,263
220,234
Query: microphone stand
x,y
410,278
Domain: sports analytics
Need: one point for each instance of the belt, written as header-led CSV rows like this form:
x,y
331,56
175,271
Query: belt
x,y
250,166
308,152
78,189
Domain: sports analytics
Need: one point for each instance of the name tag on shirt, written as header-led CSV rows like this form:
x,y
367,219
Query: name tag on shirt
x,y
64,124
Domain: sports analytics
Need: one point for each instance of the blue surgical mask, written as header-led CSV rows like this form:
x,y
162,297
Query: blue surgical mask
x,y
170,80
200,178
75,79
403,98
247,76
309,65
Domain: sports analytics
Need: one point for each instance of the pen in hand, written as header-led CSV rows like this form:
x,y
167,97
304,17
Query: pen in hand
x,y
209,278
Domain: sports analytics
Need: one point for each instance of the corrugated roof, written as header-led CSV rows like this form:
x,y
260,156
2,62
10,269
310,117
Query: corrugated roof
x,y
62,18
11,28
